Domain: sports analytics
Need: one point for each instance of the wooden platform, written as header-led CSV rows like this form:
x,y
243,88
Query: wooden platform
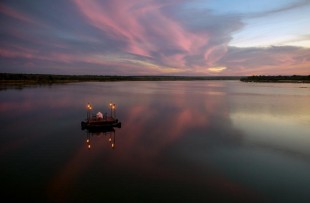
x,y
104,122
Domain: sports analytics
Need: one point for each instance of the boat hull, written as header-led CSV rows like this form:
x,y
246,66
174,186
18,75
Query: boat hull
x,y
98,124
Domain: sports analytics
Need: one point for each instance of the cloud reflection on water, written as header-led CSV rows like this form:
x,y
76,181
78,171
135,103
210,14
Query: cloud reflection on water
x,y
218,140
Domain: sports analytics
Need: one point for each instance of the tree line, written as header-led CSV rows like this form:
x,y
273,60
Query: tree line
x,y
279,78
50,78
54,78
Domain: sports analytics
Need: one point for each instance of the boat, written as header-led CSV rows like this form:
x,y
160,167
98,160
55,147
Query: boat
x,y
95,123
100,121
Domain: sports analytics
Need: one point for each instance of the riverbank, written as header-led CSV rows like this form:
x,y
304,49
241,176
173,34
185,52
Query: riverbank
x,y
20,79
278,79
10,78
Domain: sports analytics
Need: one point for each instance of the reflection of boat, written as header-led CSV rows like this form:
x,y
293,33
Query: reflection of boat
x,y
99,120
107,131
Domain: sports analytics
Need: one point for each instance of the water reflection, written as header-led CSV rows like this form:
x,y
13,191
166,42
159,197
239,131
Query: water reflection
x,y
100,124
107,132
180,142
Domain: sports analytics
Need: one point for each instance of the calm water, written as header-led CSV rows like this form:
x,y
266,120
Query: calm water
x,y
188,141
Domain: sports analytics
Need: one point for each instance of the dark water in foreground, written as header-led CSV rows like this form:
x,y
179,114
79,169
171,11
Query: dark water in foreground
x,y
180,141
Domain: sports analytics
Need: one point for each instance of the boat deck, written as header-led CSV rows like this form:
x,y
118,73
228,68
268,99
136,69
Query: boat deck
x,y
95,122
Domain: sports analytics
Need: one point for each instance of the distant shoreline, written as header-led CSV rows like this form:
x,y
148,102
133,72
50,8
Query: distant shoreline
x,y
9,78
277,79
21,79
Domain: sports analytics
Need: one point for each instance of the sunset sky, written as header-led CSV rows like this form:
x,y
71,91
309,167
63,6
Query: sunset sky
x,y
155,37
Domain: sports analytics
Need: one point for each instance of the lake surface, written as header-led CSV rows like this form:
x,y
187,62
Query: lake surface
x,y
180,141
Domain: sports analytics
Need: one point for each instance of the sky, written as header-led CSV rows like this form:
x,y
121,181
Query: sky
x,y
155,37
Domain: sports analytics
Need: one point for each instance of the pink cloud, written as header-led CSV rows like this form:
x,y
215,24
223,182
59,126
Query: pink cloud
x,y
114,19
32,55
144,29
135,38
8,53
214,54
21,52
282,60
17,15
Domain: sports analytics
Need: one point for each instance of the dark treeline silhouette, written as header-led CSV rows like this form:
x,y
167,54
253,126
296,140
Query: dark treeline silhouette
x,y
49,78
279,78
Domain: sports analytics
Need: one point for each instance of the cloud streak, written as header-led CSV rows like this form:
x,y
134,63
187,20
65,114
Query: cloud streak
x,y
273,60
143,31
134,37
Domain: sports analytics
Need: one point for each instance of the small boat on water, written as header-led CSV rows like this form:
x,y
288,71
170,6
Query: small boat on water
x,y
100,121
94,123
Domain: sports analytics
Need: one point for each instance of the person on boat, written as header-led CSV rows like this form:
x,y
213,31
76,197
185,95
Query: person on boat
x,y
99,116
